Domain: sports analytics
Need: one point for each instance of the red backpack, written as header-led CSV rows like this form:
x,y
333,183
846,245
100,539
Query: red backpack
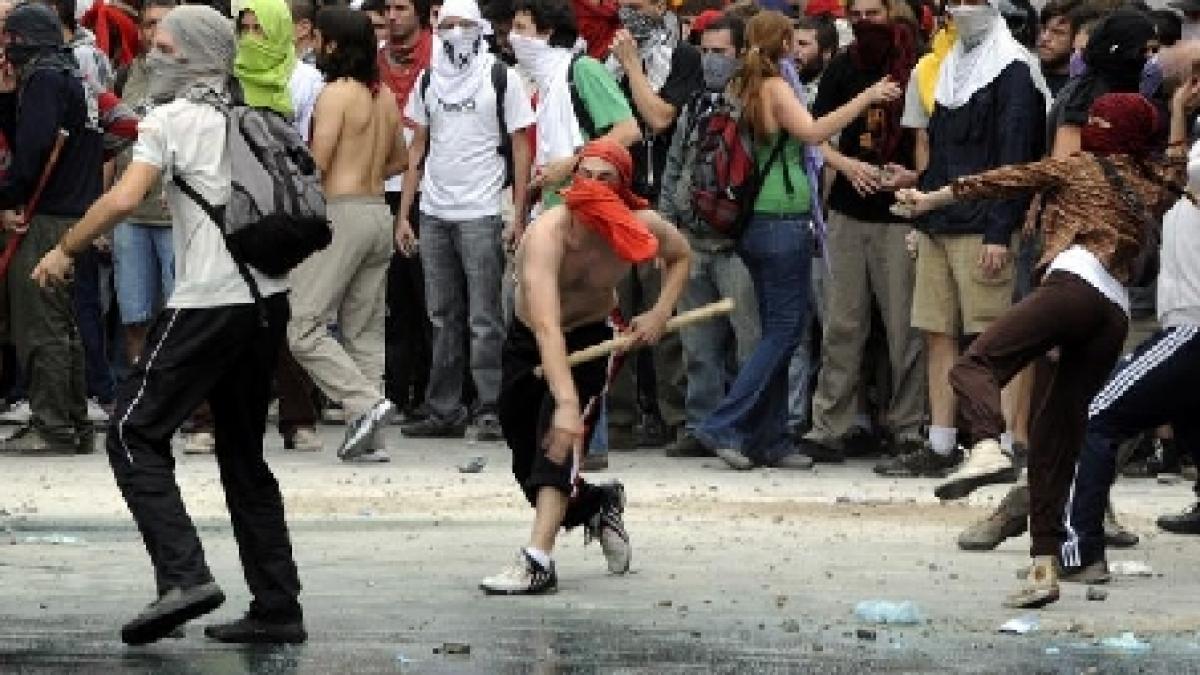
x,y
725,177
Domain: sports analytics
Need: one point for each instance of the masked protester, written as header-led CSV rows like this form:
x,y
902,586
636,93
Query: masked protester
x,y
43,104
989,83
1102,208
717,271
211,342
865,249
457,109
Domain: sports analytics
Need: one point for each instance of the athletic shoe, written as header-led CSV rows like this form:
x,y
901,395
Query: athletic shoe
x,y
1094,574
987,464
304,439
608,526
1040,587
200,443
371,456
653,432
360,430
431,427
173,609
922,462
1115,534
687,445
1187,522
249,630
525,576
487,428
1010,519
18,413
736,460
28,440
795,460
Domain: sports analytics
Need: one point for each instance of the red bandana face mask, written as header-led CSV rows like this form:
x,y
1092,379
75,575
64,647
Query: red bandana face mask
x,y
1120,124
609,214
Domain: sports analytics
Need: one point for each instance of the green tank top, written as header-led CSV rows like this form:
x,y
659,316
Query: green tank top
x,y
774,196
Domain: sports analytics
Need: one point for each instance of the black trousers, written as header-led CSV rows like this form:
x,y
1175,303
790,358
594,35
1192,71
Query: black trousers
x,y
527,411
1155,385
226,356
408,347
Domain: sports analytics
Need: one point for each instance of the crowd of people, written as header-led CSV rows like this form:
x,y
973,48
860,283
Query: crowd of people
x,y
958,240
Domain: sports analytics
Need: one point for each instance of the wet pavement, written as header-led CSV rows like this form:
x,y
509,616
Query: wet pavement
x,y
755,573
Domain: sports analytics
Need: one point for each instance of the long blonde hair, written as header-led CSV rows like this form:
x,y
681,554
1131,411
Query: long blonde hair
x,y
768,37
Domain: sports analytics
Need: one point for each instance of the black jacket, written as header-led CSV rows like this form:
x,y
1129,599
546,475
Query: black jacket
x,y
1003,123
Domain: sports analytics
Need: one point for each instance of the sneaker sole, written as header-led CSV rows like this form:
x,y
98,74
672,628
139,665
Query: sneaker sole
x,y
261,638
957,489
497,591
356,443
164,624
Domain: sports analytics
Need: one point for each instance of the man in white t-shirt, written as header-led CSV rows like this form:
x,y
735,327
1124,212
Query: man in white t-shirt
x,y
454,109
210,344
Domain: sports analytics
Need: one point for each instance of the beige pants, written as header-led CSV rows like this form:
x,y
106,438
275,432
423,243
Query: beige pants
x,y
345,283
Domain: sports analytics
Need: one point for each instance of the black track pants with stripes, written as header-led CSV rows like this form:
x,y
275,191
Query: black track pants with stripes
x,y
224,355
1156,385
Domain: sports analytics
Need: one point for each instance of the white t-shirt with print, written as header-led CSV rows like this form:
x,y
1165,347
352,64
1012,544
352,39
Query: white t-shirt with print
x,y
464,172
188,139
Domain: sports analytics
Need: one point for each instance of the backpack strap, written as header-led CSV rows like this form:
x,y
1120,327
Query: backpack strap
x,y
217,215
1145,218
776,153
586,123
500,84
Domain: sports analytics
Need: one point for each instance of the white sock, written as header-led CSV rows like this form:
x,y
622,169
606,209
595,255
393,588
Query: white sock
x,y
538,555
943,440
1006,442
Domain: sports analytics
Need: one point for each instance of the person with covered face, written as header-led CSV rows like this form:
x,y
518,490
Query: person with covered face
x,y
43,101
1102,209
457,110
567,266
210,343
868,261
988,109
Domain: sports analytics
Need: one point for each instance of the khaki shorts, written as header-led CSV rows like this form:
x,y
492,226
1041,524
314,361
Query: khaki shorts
x,y
952,296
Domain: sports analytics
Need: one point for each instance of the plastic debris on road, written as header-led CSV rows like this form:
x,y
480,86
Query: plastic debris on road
x,y
883,611
1026,623
1125,642
1130,568
54,539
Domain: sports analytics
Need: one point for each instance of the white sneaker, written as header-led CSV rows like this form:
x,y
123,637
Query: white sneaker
x,y
200,443
525,576
360,432
19,413
95,413
987,464
370,457
305,439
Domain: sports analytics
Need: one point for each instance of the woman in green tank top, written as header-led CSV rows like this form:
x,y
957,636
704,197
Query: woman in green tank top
x,y
749,427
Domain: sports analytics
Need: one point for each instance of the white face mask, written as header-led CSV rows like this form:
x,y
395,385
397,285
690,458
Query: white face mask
x,y
527,49
461,44
973,23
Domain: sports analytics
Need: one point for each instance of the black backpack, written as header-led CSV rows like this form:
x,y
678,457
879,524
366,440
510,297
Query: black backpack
x,y
500,85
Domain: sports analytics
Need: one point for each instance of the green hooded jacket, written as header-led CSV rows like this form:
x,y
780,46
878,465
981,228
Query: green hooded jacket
x,y
264,65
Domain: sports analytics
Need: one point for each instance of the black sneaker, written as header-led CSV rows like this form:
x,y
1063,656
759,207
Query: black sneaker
x,y
173,609
860,443
487,428
687,445
1187,522
923,463
249,630
432,427
525,576
608,527
820,452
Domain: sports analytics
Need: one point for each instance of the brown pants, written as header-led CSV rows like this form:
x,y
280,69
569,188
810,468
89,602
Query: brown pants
x,y
1088,329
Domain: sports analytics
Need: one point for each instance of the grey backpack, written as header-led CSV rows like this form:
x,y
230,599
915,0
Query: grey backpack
x,y
275,217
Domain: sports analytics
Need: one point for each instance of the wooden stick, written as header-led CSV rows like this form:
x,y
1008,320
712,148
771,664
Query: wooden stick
x,y
682,320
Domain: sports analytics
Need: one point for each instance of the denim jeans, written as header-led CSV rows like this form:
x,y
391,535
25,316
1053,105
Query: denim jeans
x,y
464,263
714,350
802,371
752,418
90,317
144,266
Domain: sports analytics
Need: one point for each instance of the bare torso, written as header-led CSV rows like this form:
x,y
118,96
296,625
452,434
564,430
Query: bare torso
x,y
365,142
587,276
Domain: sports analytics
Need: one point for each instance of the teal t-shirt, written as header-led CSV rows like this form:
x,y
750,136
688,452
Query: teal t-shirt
x,y
605,103
774,196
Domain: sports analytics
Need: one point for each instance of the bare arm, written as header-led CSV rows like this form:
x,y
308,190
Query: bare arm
x,y
1067,141
795,118
328,115
625,132
522,167
397,159
921,151
405,237
657,113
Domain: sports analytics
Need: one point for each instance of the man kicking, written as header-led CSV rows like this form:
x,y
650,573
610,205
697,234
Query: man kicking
x,y
567,268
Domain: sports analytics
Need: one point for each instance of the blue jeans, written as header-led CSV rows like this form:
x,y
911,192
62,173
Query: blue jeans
x,y
464,265
144,265
752,418
714,350
802,372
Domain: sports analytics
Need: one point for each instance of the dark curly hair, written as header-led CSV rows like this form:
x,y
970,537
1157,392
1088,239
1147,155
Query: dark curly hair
x,y
354,45
555,16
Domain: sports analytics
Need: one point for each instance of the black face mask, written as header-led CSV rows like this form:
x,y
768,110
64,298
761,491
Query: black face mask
x,y
811,71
